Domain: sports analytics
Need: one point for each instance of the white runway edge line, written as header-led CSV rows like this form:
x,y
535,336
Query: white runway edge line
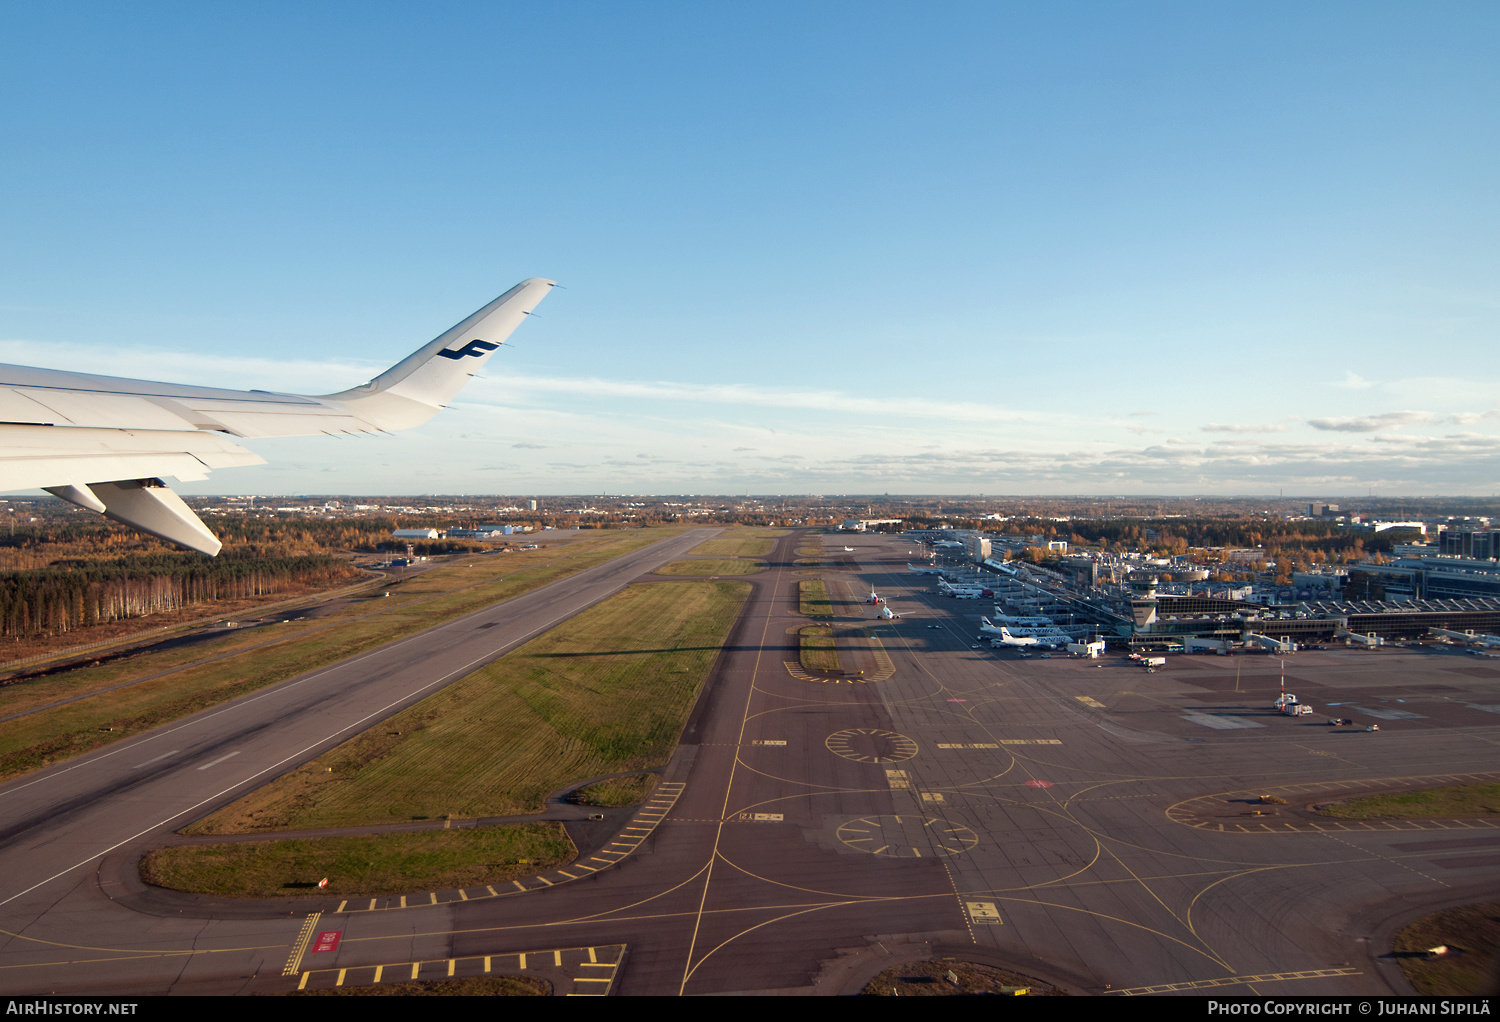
x,y
306,749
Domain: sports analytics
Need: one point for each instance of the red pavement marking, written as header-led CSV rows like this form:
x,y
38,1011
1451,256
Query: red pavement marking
x,y
328,941
1038,784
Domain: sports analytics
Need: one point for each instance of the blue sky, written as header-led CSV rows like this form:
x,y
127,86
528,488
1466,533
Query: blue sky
x,y
955,248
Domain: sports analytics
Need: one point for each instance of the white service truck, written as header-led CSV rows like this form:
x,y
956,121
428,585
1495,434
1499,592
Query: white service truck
x,y
1288,704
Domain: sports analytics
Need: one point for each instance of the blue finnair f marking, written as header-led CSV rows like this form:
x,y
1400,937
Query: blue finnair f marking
x,y
472,348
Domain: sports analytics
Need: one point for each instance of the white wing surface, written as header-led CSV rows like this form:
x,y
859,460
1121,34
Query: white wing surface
x,y
104,443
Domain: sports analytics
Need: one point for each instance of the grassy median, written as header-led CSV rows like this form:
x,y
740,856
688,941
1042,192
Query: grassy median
x,y
1450,802
749,543
819,651
712,566
167,685
605,692
362,865
813,599
616,792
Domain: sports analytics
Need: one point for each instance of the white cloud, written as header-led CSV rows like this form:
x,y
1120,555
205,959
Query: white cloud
x,y
747,394
1234,427
1464,418
787,440
597,453
1371,423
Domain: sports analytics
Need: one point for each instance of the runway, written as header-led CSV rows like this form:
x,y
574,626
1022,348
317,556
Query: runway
x,y
59,824
1076,822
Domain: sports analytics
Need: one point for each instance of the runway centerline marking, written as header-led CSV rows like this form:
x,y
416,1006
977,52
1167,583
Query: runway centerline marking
x,y
221,759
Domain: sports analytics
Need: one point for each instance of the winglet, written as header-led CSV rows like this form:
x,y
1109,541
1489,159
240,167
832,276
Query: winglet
x,y
420,385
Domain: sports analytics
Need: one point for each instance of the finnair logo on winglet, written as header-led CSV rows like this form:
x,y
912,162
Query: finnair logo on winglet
x,y
472,348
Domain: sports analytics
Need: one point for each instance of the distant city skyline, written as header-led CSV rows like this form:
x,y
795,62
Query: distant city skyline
x,y
1163,248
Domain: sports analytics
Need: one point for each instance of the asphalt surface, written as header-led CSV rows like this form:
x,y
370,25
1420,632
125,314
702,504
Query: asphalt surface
x,y
1078,821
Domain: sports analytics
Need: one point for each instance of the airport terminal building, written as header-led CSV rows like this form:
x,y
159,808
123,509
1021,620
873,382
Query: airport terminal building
x,y
1173,617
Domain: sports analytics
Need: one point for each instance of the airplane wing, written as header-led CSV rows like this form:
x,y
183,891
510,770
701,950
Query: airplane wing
x,y
104,443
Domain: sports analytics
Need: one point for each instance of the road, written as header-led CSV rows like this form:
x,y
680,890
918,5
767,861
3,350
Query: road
x,y
1080,822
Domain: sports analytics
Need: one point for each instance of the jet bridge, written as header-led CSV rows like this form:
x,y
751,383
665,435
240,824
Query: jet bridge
x,y
1281,645
1482,640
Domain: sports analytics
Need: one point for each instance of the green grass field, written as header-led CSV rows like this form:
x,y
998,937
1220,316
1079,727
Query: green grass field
x,y
1472,935
621,791
171,684
605,692
813,598
1456,801
749,543
712,566
362,865
819,651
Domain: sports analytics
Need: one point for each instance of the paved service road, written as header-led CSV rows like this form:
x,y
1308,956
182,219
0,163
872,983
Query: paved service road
x,y
1077,821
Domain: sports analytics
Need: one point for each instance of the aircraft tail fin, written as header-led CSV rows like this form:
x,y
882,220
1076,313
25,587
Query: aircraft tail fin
x,y
424,382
